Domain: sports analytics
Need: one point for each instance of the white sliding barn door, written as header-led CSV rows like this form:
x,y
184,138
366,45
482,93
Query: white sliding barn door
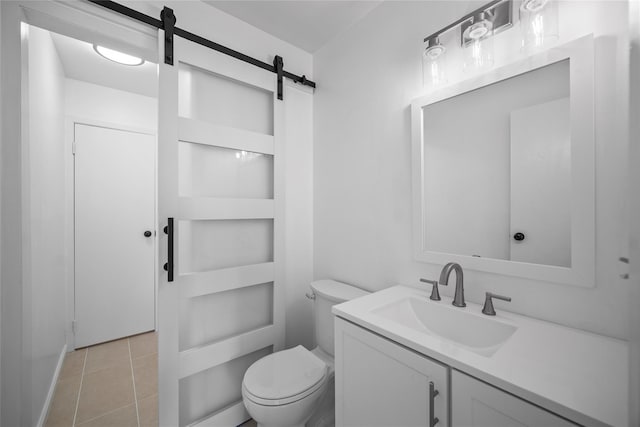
x,y
220,177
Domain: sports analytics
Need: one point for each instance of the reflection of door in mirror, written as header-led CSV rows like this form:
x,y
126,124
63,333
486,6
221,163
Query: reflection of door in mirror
x,y
496,162
541,184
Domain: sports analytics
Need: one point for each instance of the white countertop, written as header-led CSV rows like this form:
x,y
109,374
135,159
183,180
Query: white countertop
x,y
576,374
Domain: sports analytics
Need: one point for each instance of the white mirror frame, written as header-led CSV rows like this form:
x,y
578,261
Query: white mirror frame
x,y
582,270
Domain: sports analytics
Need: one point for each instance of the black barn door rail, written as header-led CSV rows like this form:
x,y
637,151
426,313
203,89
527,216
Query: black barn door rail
x,y
167,23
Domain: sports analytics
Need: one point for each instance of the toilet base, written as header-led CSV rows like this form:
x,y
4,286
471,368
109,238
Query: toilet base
x,y
325,414
295,414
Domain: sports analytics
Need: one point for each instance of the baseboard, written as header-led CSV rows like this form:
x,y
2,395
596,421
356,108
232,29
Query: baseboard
x,y
52,388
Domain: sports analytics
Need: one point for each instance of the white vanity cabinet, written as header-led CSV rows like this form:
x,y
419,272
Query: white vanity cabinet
x,y
477,404
379,383
491,371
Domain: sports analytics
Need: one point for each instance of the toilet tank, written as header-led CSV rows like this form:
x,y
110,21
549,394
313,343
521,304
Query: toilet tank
x,y
327,294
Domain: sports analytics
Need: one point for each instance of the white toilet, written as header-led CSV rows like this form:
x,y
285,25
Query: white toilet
x,y
287,388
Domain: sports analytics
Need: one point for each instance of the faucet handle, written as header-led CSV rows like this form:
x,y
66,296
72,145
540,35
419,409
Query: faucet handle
x,y
488,303
435,295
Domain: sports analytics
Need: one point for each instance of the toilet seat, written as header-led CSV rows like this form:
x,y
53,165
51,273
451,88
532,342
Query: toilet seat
x,y
284,377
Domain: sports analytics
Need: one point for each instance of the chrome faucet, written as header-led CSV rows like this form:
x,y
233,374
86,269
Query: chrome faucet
x,y
458,299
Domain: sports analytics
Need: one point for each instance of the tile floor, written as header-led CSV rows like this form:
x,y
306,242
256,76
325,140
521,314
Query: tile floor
x,y
111,384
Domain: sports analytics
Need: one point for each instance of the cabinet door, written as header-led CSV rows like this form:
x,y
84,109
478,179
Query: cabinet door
x,y
380,383
477,404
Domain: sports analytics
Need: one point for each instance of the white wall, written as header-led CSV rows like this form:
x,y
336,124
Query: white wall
x,y
634,194
1,138
45,313
299,215
103,104
11,311
362,170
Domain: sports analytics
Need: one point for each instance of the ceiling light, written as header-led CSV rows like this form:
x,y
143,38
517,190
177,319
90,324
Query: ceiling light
x,y
119,57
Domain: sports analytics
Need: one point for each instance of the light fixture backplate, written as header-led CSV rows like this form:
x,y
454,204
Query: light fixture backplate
x,y
501,16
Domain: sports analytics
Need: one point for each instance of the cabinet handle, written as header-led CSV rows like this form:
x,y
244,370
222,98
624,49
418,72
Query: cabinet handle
x,y
433,420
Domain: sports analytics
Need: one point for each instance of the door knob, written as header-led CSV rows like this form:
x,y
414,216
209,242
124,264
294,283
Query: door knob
x,y
147,233
518,236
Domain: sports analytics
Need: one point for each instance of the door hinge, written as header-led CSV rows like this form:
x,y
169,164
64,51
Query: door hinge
x,y
73,148
73,326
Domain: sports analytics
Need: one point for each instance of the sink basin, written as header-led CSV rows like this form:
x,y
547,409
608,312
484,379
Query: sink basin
x,y
476,332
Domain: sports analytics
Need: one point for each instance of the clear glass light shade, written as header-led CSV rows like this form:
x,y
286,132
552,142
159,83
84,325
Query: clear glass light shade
x,y
539,23
478,55
478,44
434,65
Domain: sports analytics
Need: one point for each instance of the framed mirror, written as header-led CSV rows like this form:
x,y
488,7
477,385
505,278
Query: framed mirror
x,y
504,169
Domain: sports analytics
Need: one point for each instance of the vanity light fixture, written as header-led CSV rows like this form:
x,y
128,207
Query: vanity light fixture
x,y
434,62
116,56
434,48
538,22
477,42
476,30
478,27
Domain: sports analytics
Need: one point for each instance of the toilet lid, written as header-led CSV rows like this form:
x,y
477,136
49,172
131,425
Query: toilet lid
x,y
284,374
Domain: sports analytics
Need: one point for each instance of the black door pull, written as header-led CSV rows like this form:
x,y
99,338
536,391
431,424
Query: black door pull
x,y
147,233
518,237
168,267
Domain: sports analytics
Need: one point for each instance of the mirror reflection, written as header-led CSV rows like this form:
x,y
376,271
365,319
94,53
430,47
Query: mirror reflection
x,y
497,170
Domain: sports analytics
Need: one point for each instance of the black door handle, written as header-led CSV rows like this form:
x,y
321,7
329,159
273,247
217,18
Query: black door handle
x,y
518,237
168,266
147,233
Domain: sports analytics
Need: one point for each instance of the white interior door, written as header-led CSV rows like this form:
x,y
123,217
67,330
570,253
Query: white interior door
x,y
220,180
114,259
541,184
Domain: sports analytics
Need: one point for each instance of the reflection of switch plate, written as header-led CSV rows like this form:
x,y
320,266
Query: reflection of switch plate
x,y
501,16
623,268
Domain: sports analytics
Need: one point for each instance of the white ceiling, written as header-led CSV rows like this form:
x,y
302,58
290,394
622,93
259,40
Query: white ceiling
x,y
307,24
81,62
